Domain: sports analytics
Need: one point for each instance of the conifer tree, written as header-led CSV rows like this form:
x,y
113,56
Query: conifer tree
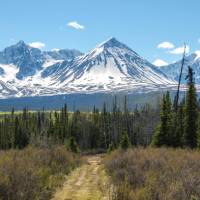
x,y
125,142
179,126
191,112
198,133
72,145
111,147
104,125
169,116
163,135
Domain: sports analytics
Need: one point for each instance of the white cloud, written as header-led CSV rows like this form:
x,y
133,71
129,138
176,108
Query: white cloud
x,y
198,54
160,63
38,45
180,50
55,50
75,25
165,45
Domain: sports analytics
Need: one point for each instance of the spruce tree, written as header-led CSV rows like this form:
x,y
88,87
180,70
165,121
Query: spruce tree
x,y
111,147
198,133
163,135
125,142
169,114
104,125
191,112
179,126
72,145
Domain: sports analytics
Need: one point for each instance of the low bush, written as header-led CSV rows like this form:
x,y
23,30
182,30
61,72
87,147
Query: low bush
x,y
155,174
33,173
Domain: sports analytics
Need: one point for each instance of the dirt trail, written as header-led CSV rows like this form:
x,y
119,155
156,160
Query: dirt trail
x,y
88,182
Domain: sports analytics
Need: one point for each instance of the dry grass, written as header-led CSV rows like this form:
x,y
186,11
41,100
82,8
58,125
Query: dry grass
x,y
155,174
33,173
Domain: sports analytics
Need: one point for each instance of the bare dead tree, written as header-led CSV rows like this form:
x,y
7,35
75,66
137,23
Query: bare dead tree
x,y
179,81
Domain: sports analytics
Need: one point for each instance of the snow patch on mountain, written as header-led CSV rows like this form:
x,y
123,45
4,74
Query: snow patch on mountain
x,y
6,90
197,55
50,62
9,72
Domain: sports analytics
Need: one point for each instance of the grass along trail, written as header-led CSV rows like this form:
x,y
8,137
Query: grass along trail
x,y
88,182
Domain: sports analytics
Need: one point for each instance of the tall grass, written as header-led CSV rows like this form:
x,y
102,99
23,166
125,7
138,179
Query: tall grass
x,y
155,174
33,173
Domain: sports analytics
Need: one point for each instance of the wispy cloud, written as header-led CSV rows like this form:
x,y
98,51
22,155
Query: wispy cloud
x,y
55,50
180,50
197,53
159,63
76,25
165,45
38,45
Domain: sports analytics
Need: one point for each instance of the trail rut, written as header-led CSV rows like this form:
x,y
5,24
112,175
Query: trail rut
x,y
88,182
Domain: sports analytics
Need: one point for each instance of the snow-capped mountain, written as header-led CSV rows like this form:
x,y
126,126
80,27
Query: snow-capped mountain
x,y
173,70
25,60
110,67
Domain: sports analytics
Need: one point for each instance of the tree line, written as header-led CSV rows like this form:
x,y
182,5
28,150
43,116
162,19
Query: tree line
x,y
98,129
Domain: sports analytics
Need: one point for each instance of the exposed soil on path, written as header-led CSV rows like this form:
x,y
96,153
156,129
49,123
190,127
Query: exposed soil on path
x,y
88,182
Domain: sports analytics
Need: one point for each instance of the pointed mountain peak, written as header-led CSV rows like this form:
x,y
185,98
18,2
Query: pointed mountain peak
x,y
112,45
111,42
19,45
21,42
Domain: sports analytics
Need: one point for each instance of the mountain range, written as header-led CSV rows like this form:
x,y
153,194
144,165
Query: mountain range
x,y
110,67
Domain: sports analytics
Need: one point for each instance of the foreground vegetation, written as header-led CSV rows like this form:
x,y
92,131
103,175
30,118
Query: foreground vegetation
x,y
34,173
152,174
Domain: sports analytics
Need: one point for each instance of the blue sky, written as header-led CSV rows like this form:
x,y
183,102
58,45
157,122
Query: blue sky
x,y
141,24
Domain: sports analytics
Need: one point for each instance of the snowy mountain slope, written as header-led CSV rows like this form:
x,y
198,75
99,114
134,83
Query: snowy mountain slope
x,y
26,58
29,60
6,90
173,70
110,67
